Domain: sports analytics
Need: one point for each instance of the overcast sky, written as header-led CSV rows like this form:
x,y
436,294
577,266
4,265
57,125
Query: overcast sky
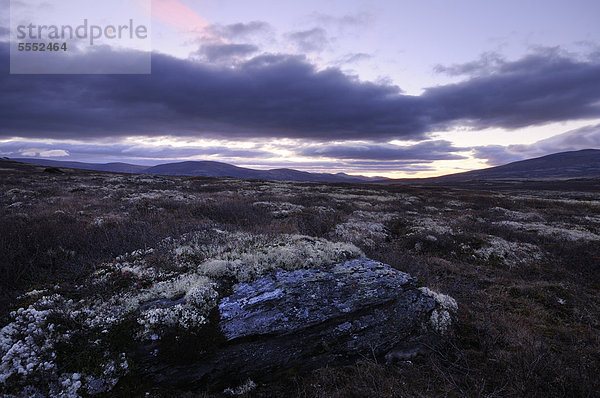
x,y
394,88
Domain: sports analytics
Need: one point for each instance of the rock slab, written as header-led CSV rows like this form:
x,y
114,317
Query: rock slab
x,y
305,319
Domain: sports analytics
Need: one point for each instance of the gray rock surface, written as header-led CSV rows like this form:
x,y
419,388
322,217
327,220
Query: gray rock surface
x,y
303,319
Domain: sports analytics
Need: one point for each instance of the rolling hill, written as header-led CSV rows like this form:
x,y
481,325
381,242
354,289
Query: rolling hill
x,y
115,167
558,166
205,169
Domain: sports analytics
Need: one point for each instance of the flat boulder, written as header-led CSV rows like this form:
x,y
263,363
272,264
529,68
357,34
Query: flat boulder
x,y
309,318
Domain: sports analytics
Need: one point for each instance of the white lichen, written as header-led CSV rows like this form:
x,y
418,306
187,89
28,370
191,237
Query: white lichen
x,y
442,315
254,257
367,233
178,298
510,253
561,232
242,389
429,226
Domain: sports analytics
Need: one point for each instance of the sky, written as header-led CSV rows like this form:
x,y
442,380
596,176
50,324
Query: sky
x,y
388,88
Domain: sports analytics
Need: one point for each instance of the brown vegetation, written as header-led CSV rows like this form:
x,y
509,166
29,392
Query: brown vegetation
x,y
522,263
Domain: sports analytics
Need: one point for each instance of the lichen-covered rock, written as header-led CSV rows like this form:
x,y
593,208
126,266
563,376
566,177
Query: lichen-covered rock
x,y
289,301
223,308
309,318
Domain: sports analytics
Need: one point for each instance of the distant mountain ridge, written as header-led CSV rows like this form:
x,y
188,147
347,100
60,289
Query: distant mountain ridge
x,y
584,163
115,167
564,165
205,169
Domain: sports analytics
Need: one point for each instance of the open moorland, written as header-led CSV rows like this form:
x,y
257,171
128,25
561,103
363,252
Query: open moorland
x,y
521,259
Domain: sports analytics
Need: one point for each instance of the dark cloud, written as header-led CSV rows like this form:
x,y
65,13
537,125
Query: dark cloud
x,y
313,40
241,30
538,89
424,151
583,138
268,96
4,31
286,97
219,52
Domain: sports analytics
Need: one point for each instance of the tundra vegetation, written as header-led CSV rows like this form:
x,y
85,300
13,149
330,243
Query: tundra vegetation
x,y
520,259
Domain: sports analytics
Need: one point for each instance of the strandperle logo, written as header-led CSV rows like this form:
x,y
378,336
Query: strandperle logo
x,y
80,36
83,31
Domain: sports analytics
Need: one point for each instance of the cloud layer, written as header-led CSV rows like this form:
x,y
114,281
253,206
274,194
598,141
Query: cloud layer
x,y
258,157
421,152
313,40
538,89
20,148
574,140
219,52
282,96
